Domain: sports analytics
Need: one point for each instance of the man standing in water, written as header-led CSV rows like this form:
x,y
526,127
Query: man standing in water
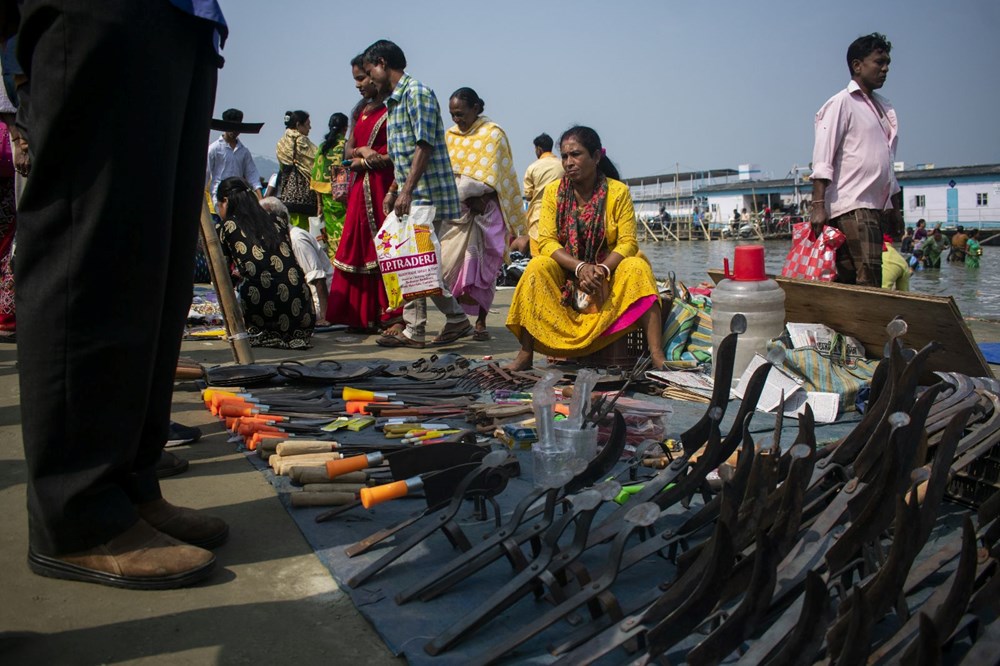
x,y
854,185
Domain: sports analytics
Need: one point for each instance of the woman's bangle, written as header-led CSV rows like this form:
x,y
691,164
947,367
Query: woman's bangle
x,y
579,266
817,201
607,271
367,163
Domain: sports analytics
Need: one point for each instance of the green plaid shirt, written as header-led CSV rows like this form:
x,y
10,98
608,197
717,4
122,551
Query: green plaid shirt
x,y
414,115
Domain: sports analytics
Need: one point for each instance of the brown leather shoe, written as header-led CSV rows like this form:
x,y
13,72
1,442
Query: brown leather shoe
x,y
187,525
141,558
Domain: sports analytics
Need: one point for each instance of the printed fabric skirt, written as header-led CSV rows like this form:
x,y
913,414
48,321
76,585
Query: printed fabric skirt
x,y
561,331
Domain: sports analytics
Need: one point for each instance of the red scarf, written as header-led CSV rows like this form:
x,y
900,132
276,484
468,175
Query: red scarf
x,y
580,228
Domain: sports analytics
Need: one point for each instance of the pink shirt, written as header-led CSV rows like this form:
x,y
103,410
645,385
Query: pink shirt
x,y
855,149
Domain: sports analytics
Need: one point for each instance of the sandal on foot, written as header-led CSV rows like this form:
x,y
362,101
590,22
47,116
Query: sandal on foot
x,y
481,335
446,336
400,340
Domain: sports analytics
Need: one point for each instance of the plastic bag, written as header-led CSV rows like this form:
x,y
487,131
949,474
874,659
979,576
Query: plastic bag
x,y
409,256
813,258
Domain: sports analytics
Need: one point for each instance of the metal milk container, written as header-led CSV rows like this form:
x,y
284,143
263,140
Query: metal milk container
x,y
747,291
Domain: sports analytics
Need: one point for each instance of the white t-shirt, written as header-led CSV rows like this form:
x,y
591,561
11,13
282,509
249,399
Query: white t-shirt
x,y
313,261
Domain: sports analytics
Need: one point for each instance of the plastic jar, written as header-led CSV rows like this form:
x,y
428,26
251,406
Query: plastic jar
x,y
747,291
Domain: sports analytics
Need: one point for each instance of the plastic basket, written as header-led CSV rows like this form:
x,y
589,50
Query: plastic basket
x,y
622,353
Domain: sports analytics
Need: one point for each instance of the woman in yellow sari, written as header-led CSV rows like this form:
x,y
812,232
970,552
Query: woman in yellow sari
x,y
296,154
587,287
473,246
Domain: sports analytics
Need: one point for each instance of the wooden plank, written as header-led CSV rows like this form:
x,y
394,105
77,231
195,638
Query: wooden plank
x,y
864,312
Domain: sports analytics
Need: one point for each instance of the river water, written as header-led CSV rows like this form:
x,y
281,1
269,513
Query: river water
x,y
976,291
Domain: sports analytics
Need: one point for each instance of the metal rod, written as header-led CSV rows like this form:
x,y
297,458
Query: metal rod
x,y
232,315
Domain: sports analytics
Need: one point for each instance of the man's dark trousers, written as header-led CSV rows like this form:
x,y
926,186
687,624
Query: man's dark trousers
x,y
117,117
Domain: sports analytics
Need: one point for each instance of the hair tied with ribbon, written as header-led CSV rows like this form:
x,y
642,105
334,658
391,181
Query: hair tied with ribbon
x,y
604,151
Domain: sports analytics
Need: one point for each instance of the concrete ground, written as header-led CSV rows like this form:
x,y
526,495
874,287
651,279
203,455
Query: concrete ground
x,y
271,600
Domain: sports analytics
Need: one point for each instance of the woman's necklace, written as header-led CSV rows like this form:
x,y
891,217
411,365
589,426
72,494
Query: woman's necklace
x,y
370,108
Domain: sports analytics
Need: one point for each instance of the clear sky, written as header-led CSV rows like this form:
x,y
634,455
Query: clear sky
x,y
701,84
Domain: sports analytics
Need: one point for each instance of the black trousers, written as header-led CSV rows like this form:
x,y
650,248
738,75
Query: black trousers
x,y
117,116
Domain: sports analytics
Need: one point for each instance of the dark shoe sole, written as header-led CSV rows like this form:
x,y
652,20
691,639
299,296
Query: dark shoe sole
x,y
53,568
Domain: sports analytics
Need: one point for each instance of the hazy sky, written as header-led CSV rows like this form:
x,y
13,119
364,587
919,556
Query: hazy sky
x,y
703,84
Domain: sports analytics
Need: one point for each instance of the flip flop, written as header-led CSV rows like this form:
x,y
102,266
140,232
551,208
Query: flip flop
x,y
481,335
398,341
447,336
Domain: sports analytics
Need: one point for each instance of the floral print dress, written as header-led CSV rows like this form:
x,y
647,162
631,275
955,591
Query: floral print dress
x,y
277,307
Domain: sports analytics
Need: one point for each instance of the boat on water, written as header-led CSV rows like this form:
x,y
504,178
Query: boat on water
x,y
864,312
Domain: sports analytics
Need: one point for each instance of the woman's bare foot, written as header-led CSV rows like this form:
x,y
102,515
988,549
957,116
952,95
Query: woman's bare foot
x,y
658,360
394,330
522,361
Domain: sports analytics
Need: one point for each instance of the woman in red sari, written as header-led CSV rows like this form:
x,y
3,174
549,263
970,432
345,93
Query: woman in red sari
x,y
357,294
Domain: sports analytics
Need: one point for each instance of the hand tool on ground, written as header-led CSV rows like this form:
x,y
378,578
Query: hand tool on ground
x,y
485,480
543,569
595,593
405,463
522,526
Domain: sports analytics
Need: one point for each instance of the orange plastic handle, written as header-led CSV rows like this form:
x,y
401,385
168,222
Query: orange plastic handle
x,y
390,491
357,407
236,409
335,468
561,408
218,400
258,437
218,404
250,428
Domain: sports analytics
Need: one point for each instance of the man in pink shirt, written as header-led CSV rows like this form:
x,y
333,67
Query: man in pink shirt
x,y
854,185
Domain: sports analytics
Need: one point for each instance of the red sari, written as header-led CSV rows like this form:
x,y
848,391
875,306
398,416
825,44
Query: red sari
x,y
357,294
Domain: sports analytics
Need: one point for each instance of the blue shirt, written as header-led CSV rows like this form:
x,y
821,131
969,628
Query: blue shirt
x,y
208,10
225,162
414,115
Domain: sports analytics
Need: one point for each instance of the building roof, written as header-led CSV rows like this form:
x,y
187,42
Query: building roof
x,y
989,170
682,176
950,172
758,185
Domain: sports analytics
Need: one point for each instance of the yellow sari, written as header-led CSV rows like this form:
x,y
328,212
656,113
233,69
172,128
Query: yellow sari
x,y
558,329
483,153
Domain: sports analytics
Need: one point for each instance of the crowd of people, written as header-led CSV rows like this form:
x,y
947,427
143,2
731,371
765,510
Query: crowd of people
x,y
399,157
95,504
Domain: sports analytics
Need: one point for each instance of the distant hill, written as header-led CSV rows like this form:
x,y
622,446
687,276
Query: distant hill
x,y
265,165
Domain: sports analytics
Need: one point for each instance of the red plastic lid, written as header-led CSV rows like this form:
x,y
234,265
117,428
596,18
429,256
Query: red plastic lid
x,y
748,264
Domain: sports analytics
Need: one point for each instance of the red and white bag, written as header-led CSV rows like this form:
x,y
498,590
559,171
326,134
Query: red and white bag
x,y
813,258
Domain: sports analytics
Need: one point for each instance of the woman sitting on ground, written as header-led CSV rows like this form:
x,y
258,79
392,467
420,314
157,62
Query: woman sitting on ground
x,y
276,304
587,287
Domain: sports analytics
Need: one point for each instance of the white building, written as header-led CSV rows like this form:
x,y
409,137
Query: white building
x,y
967,195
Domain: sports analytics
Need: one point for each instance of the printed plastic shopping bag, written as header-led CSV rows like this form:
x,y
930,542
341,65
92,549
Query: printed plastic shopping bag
x,y
813,258
408,256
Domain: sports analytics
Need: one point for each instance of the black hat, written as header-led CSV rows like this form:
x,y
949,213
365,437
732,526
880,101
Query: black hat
x,y
232,121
